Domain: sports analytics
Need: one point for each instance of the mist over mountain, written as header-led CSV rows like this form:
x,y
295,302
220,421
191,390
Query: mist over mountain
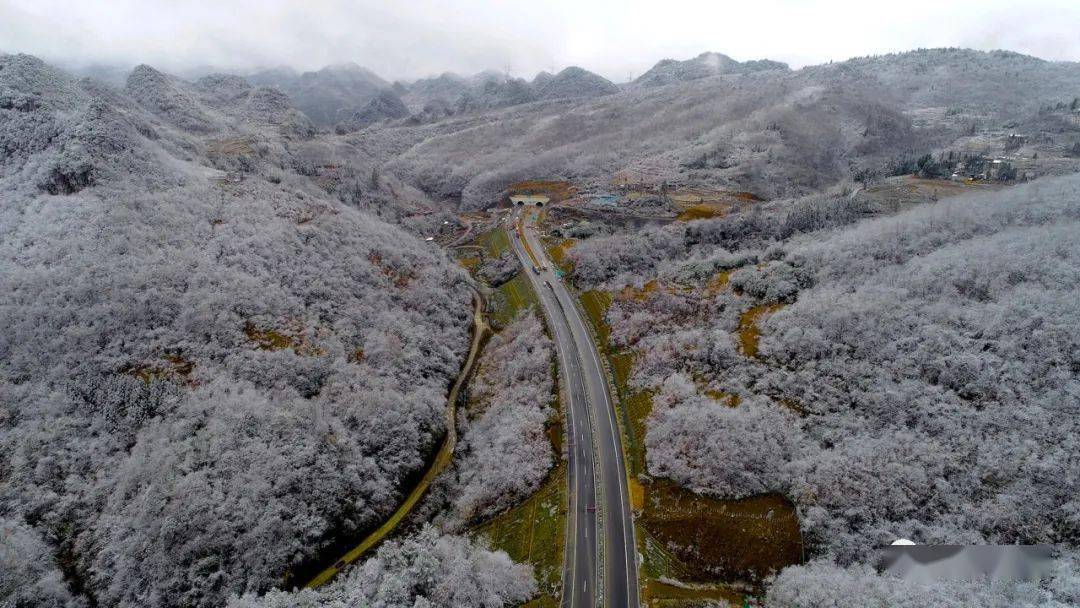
x,y
385,105
772,132
669,71
231,327
328,95
574,82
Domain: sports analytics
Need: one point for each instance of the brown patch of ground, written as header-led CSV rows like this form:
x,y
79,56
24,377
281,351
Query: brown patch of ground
x,y
400,278
232,146
639,294
702,203
701,211
909,190
174,367
558,252
725,540
273,339
726,398
719,282
469,262
657,594
557,190
749,332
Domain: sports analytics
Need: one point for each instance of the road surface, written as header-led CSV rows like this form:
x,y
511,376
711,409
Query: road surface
x,y
600,521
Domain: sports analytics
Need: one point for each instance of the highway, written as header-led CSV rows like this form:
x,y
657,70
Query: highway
x,y
600,521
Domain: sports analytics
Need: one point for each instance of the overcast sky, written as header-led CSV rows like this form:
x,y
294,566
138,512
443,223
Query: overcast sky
x,y
413,38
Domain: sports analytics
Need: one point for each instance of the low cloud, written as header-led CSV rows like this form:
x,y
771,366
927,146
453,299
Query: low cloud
x,y
420,38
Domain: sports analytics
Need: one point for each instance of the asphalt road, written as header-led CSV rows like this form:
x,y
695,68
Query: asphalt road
x,y
599,493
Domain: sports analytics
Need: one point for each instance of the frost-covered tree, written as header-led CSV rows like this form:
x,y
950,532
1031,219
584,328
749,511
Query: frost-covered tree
x,y
29,574
505,452
206,376
921,380
821,583
499,270
422,570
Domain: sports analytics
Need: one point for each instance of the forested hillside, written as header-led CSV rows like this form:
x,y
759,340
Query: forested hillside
x,y
757,126
505,453
326,96
425,569
454,141
912,376
211,366
229,329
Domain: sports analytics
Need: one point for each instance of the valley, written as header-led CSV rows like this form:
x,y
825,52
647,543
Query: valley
x,y
716,335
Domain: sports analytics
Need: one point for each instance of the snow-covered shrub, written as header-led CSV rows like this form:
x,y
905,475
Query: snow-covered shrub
x,y
424,570
505,452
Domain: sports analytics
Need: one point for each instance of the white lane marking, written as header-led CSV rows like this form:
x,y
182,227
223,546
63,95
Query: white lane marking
x,y
618,460
560,346
578,324
611,425
571,367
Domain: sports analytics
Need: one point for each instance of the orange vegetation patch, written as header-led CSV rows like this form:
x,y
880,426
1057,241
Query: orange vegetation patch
x,y
728,399
700,203
719,282
637,495
701,211
657,594
470,263
792,405
558,253
271,339
174,367
653,286
399,278
749,332
557,190
233,146
749,197
722,540
638,294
